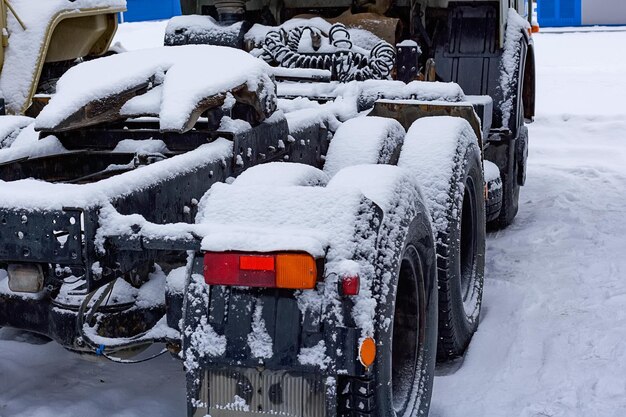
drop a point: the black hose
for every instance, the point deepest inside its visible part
(346, 64)
(100, 349)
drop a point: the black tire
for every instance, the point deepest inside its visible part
(407, 347)
(494, 199)
(461, 257)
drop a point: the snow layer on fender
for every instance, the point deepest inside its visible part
(282, 174)
(189, 74)
(22, 53)
(516, 27)
(269, 218)
(364, 140)
(397, 193)
(492, 172)
(432, 148)
(34, 194)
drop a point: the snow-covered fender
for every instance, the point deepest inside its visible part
(396, 192)
(405, 233)
(517, 75)
(364, 140)
(407, 112)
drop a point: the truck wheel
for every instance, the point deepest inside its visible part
(512, 162)
(461, 256)
(404, 368)
(494, 190)
(444, 156)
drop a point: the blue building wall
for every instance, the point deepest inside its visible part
(139, 10)
(559, 12)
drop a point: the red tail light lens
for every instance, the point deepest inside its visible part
(350, 285)
(256, 263)
(285, 270)
(223, 267)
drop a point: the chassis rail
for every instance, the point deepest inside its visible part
(67, 238)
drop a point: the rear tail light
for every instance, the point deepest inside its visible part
(350, 285)
(282, 270)
(296, 270)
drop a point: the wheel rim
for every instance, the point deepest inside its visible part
(469, 248)
(408, 334)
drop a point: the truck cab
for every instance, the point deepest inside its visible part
(36, 51)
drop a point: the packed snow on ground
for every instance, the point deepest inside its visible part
(552, 338)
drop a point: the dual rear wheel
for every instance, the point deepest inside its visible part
(434, 321)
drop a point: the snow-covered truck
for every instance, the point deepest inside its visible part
(304, 231)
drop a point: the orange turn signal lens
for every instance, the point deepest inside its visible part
(296, 271)
(367, 352)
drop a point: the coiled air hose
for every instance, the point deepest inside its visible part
(345, 63)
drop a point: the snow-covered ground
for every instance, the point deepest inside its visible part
(553, 336)
(552, 341)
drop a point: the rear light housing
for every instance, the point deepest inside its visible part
(349, 285)
(290, 270)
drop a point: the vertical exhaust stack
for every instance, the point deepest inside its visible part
(230, 11)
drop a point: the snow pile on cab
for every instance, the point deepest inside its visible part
(188, 75)
(25, 45)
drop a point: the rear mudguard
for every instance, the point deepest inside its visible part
(263, 339)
